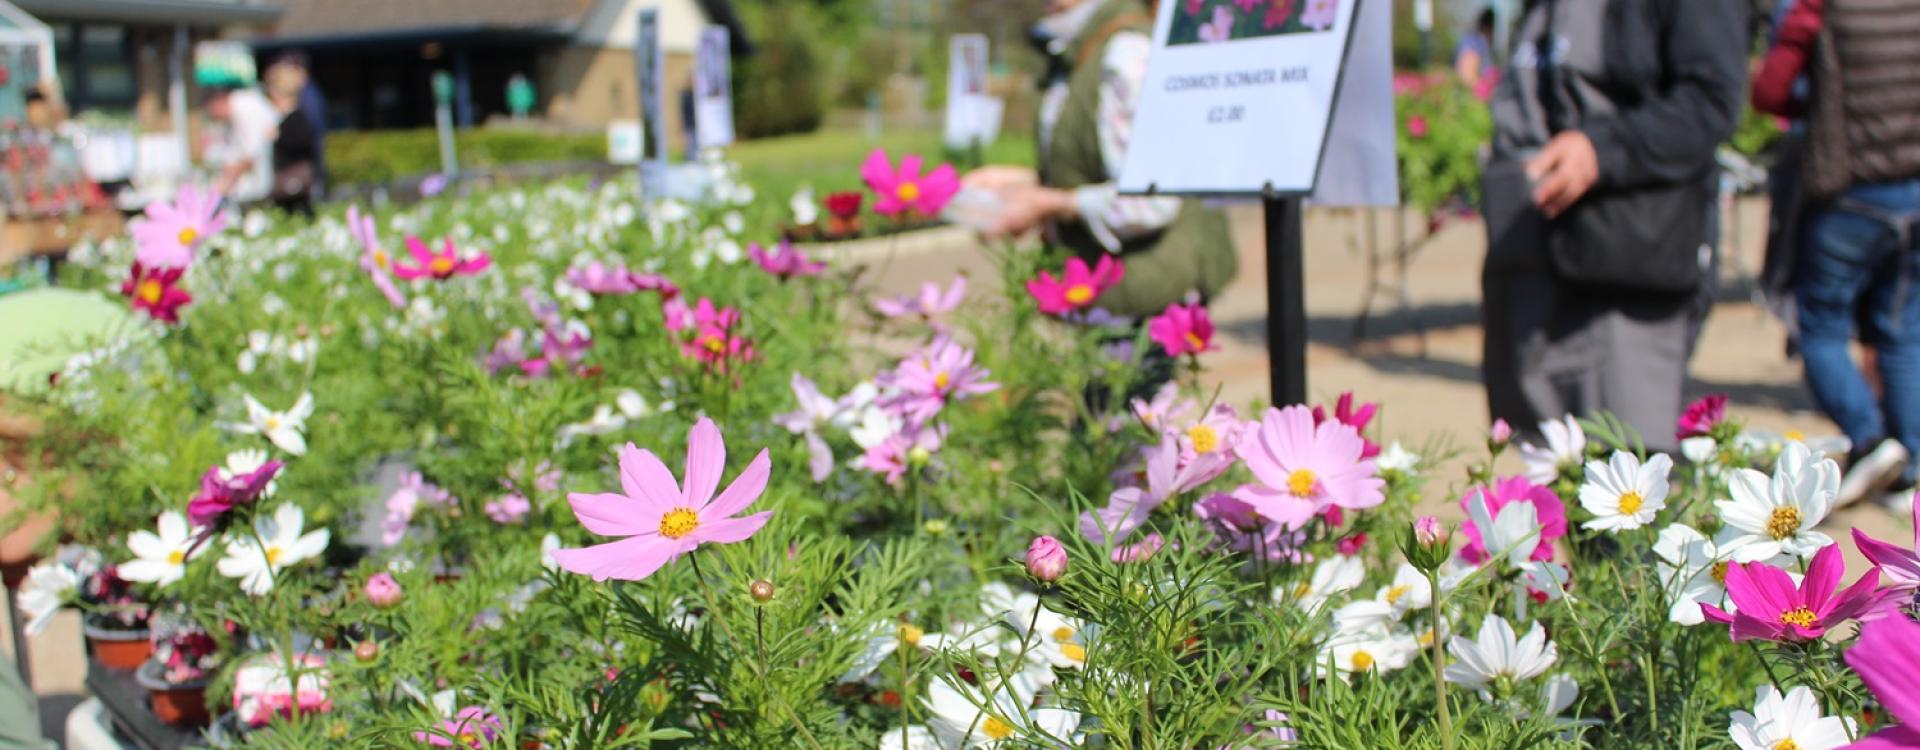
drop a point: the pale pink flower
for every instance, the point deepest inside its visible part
(373, 257)
(931, 303)
(171, 232)
(1302, 469)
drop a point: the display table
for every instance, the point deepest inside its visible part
(123, 707)
(26, 237)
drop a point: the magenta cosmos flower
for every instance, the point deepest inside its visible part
(1302, 469)
(172, 232)
(660, 519)
(441, 265)
(219, 495)
(1701, 417)
(1548, 510)
(472, 726)
(930, 304)
(1902, 566)
(897, 190)
(713, 341)
(156, 292)
(927, 380)
(1183, 329)
(374, 258)
(1888, 660)
(786, 261)
(1768, 606)
(1358, 418)
(1077, 287)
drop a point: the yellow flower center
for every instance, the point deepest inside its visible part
(1361, 661)
(1795, 436)
(1800, 616)
(1204, 438)
(1063, 634)
(679, 522)
(150, 291)
(911, 634)
(441, 266)
(1426, 639)
(176, 557)
(1301, 591)
(1630, 502)
(940, 381)
(1074, 651)
(715, 344)
(273, 554)
(188, 235)
(380, 258)
(1786, 744)
(1394, 594)
(1079, 294)
(1301, 483)
(1784, 523)
(907, 191)
(1720, 573)
(469, 739)
(1194, 340)
(995, 728)
(272, 423)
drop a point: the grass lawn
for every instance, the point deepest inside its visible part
(829, 160)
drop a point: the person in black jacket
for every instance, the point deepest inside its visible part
(1599, 199)
(296, 148)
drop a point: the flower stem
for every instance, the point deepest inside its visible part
(1439, 672)
(713, 610)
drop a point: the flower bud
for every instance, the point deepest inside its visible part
(1046, 559)
(1501, 434)
(761, 590)
(919, 456)
(1425, 544)
(1429, 531)
(366, 651)
(382, 591)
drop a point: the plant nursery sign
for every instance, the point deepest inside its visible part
(1240, 101)
(973, 115)
(713, 89)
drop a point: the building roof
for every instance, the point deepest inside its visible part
(203, 12)
(337, 21)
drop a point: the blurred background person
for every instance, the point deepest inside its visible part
(1856, 269)
(296, 144)
(1473, 60)
(242, 147)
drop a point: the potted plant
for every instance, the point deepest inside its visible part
(116, 620)
(176, 677)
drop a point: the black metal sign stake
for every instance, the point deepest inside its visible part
(1286, 301)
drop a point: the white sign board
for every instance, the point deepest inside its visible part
(973, 116)
(1238, 101)
(1360, 165)
(626, 142)
(713, 89)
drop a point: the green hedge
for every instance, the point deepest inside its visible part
(776, 90)
(358, 158)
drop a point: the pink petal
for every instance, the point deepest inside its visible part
(746, 488)
(819, 458)
(1859, 600)
(1888, 660)
(1279, 507)
(1763, 590)
(627, 560)
(1823, 575)
(706, 459)
(644, 478)
(1902, 565)
(611, 514)
(1748, 628)
(1903, 737)
(421, 255)
(474, 265)
(877, 171)
(728, 531)
(1715, 614)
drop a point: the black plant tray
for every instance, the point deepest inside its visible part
(126, 702)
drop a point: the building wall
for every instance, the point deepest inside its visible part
(590, 86)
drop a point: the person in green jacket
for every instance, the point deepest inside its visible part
(1173, 249)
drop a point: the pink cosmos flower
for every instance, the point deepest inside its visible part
(1769, 606)
(1206, 446)
(1548, 511)
(508, 353)
(927, 380)
(1417, 126)
(1046, 559)
(1302, 469)
(786, 261)
(1237, 526)
(561, 348)
(1183, 329)
(713, 341)
(1128, 507)
(1501, 433)
(897, 190)
(903, 450)
(1220, 29)
(931, 303)
(1139, 551)
(219, 494)
(508, 508)
(653, 282)
(1888, 661)
(660, 519)
(1167, 407)
(1701, 417)
(816, 409)
(1077, 287)
(405, 500)
(1357, 418)
(156, 292)
(1901, 566)
(678, 316)
(1320, 14)
(374, 258)
(442, 265)
(601, 279)
(171, 232)
(472, 726)
(1428, 530)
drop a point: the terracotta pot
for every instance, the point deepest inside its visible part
(180, 705)
(119, 649)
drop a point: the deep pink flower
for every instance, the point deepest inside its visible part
(930, 304)
(1357, 418)
(1548, 510)
(1277, 14)
(1350, 545)
(172, 232)
(374, 258)
(219, 493)
(1046, 559)
(382, 590)
(713, 341)
(1770, 607)
(660, 520)
(156, 292)
(1301, 470)
(1701, 417)
(1888, 661)
(601, 279)
(653, 282)
(930, 378)
(442, 265)
(786, 261)
(678, 316)
(1183, 329)
(1417, 126)
(1077, 287)
(1901, 566)
(897, 190)
(472, 726)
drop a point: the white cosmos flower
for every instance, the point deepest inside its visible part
(282, 428)
(1566, 447)
(1397, 458)
(1366, 650)
(1693, 571)
(957, 721)
(1787, 721)
(47, 587)
(1497, 656)
(805, 211)
(1331, 577)
(1768, 517)
(285, 546)
(1623, 494)
(916, 737)
(1515, 534)
(162, 557)
(1409, 591)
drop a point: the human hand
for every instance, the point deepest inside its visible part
(1000, 177)
(1024, 208)
(1563, 172)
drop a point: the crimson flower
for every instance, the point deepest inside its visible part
(156, 292)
